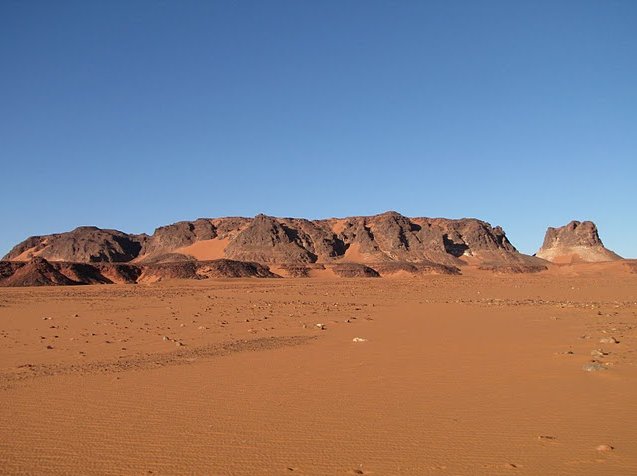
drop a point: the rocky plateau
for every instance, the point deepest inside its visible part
(388, 244)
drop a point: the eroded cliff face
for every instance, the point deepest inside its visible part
(575, 242)
(389, 241)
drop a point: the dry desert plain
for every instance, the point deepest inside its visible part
(457, 375)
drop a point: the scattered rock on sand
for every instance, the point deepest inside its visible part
(608, 340)
(359, 339)
(599, 353)
(594, 367)
(604, 448)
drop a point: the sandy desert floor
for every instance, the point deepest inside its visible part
(458, 375)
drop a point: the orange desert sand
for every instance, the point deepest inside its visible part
(453, 375)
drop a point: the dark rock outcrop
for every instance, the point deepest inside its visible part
(296, 270)
(179, 234)
(119, 273)
(227, 268)
(390, 268)
(165, 258)
(37, 272)
(223, 268)
(86, 244)
(267, 240)
(514, 268)
(162, 271)
(40, 272)
(354, 270)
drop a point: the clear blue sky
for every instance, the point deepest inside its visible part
(132, 115)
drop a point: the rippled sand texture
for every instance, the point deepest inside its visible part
(457, 375)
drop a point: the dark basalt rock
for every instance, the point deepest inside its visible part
(227, 268)
(393, 267)
(354, 270)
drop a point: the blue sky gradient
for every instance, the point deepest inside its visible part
(132, 115)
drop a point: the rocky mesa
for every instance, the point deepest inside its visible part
(367, 246)
(375, 239)
(576, 242)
